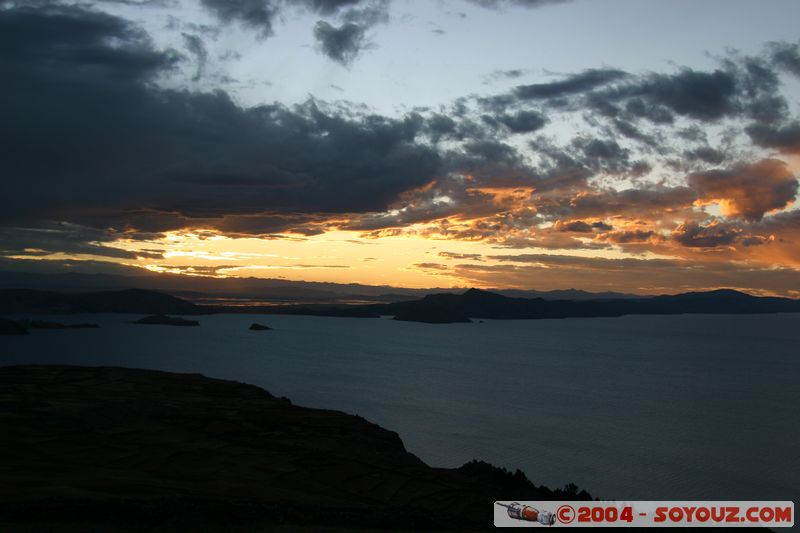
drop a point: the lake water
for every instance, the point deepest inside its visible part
(640, 407)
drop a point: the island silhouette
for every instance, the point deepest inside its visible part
(432, 308)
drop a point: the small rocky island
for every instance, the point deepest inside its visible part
(120, 449)
(164, 320)
(259, 327)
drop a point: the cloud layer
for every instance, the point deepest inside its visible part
(688, 165)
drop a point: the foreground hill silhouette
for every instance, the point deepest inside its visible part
(96, 447)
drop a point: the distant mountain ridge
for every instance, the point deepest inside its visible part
(433, 308)
(565, 294)
(200, 289)
(29, 301)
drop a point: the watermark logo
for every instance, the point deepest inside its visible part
(527, 513)
(644, 514)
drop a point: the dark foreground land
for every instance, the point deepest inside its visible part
(113, 449)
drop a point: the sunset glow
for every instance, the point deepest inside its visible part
(679, 176)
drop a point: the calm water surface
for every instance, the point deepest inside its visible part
(642, 407)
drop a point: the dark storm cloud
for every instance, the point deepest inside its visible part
(766, 109)
(261, 14)
(578, 83)
(628, 130)
(479, 154)
(345, 42)
(74, 44)
(587, 156)
(581, 226)
(629, 236)
(497, 103)
(694, 235)
(523, 121)
(743, 87)
(66, 239)
(82, 125)
(258, 14)
(340, 44)
(758, 88)
(441, 126)
(636, 107)
(706, 154)
(700, 95)
(603, 154)
(784, 138)
(786, 56)
(575, 226)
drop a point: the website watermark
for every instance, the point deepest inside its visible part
(644, 514)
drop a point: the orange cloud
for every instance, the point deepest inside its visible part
(747, 191)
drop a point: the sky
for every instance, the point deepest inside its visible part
(631, 145)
